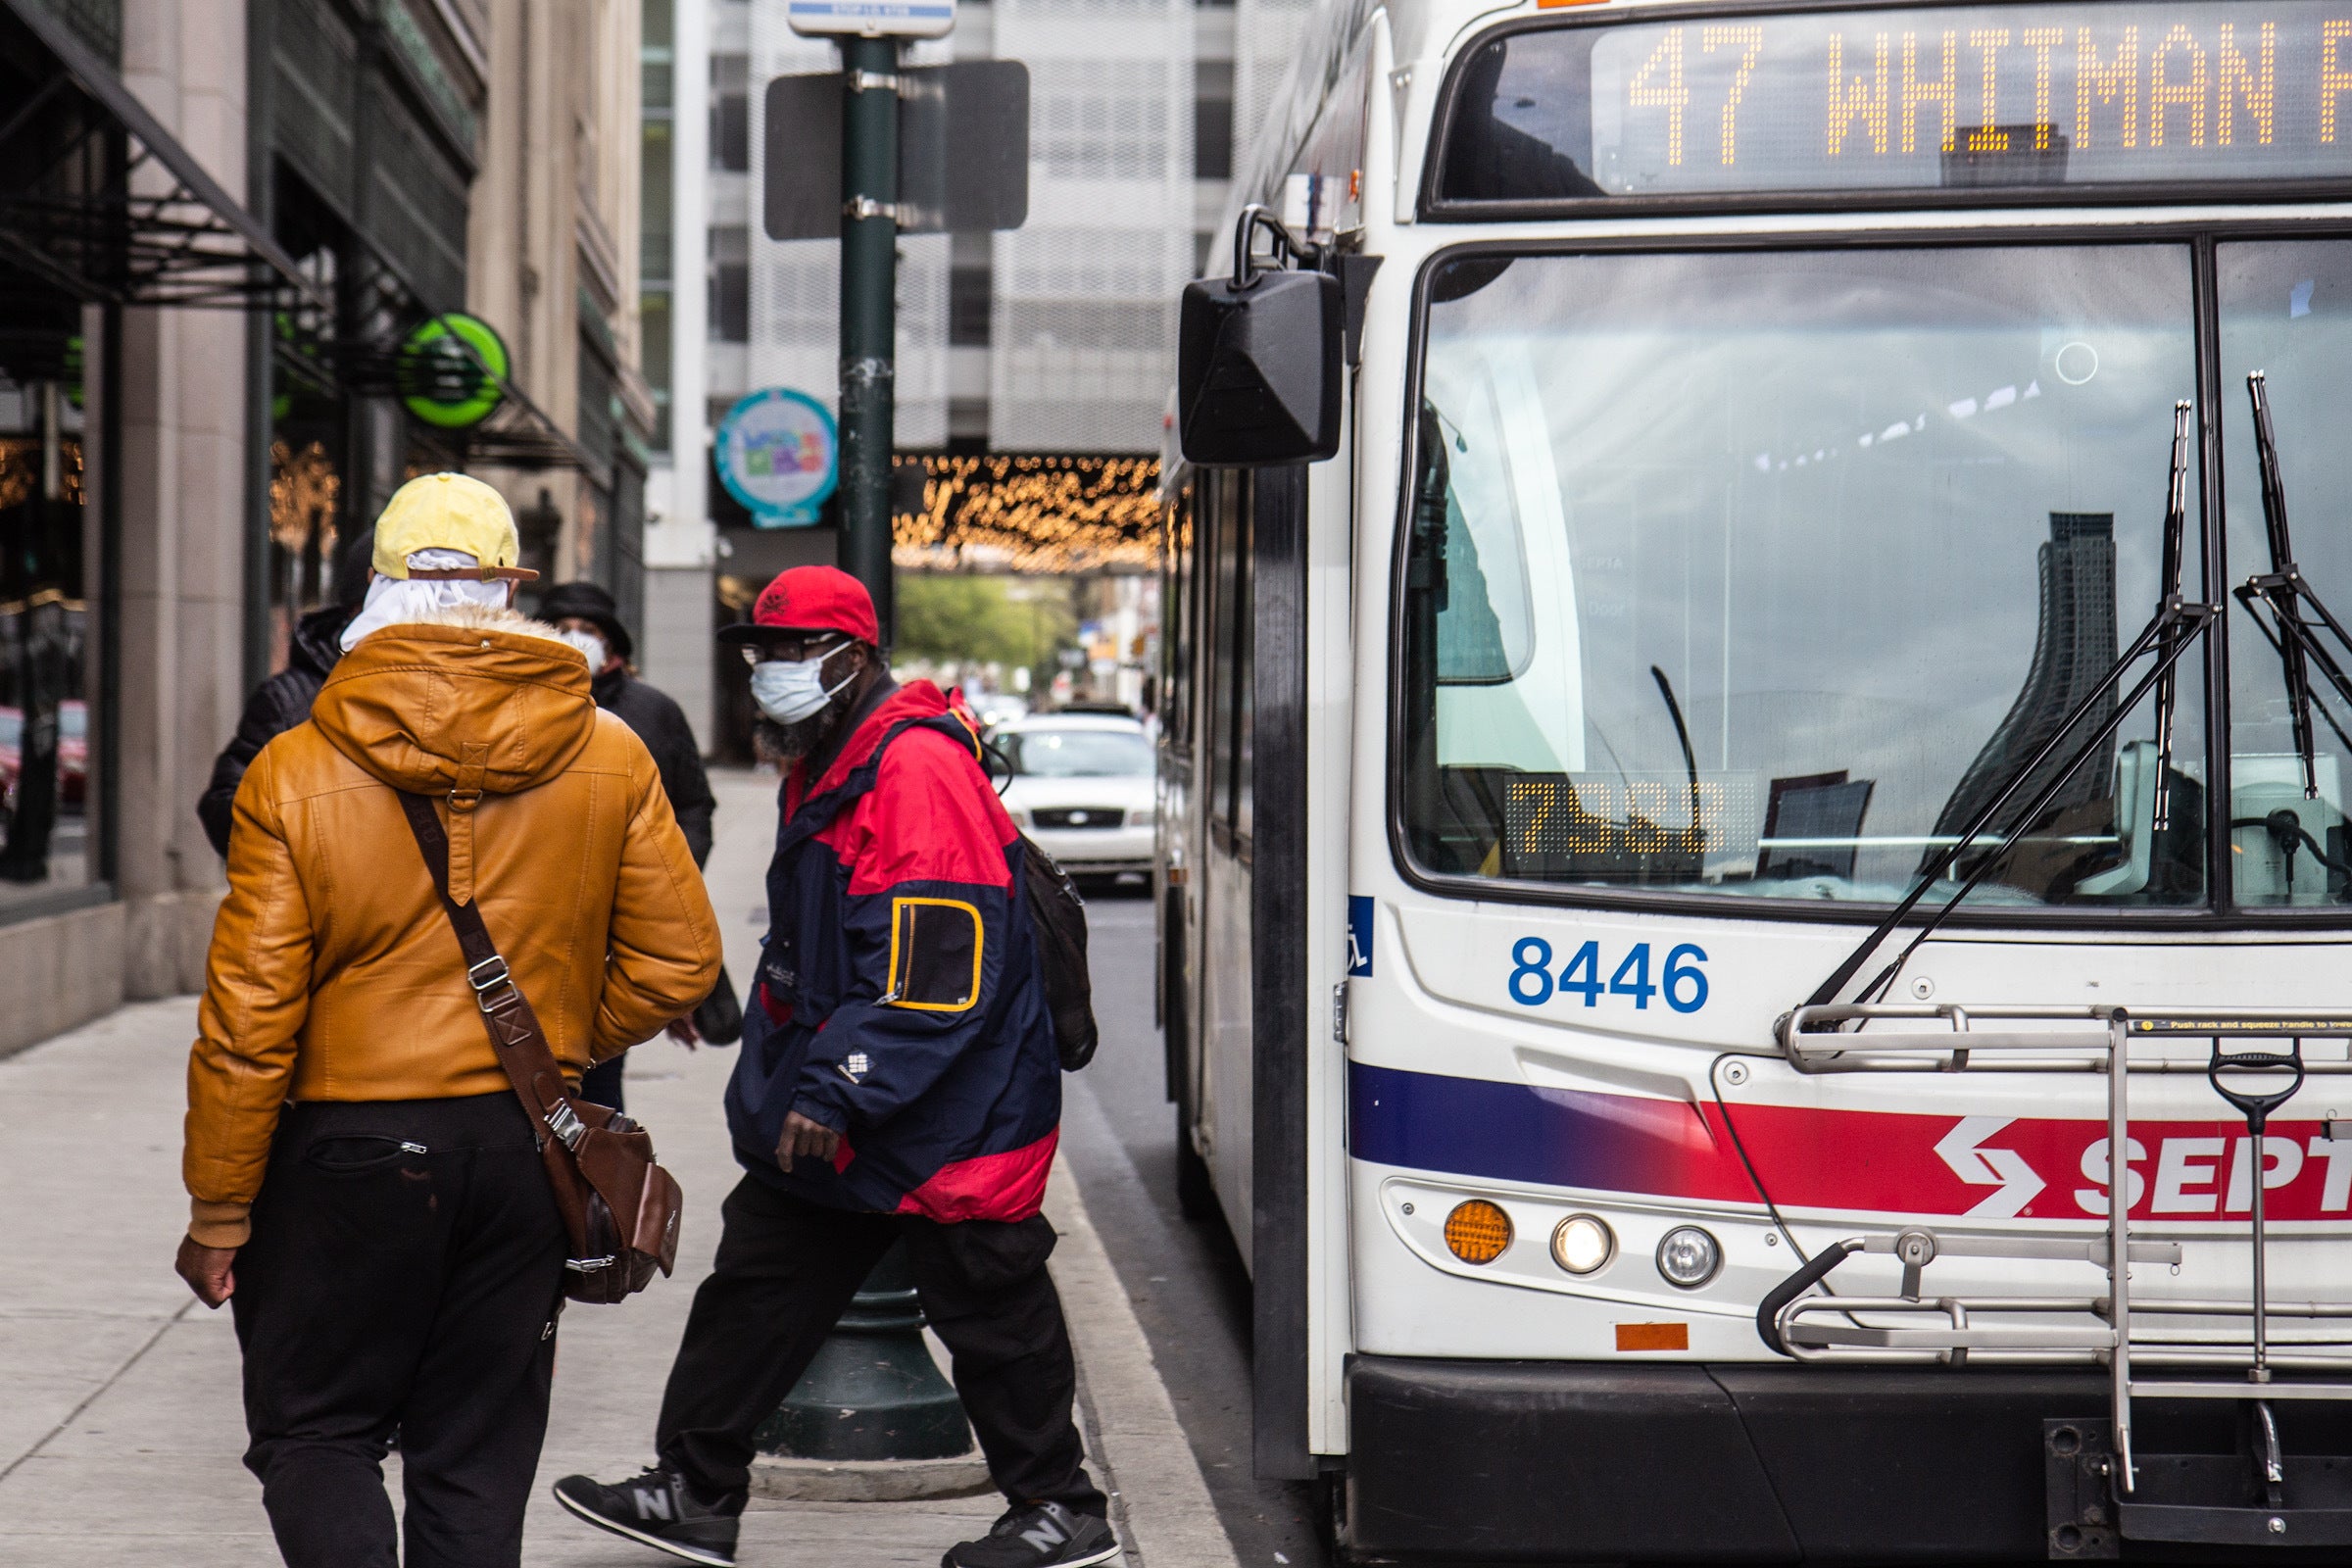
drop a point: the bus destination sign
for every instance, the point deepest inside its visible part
(1980, 96)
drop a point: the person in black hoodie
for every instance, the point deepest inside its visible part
(283, 700)
(588, 618)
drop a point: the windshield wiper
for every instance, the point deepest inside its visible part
(2283, 592)
(2170, 634)
(1682, 734)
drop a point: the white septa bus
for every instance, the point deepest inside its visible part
(1784, 659)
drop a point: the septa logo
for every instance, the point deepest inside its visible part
(2004, 1169)
(2032, 1167)
(2214, 1174)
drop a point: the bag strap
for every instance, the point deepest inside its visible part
(817, 812)
(513, 1028)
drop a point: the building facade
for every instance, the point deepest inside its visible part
(1051, 344)
(231, 230)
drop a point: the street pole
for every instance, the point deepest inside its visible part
(869, 270)
(872, 1393)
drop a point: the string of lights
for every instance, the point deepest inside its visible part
(304, 489)
(21, 469)
(1029, 513)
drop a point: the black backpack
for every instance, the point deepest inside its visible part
(1057, 913)
(1057, 916)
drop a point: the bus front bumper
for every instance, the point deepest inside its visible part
(1565, 1462)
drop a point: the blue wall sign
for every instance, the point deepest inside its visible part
(778, 454)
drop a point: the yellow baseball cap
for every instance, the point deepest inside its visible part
(449, 512)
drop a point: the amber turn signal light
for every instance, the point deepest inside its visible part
(1477, 1232)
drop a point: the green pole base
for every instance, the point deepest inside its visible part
(873, 1391)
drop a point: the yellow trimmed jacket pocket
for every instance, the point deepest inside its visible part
(934, 954)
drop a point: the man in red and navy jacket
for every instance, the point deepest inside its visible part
(898, 1081)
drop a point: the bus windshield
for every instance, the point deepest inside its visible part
(1761, 574)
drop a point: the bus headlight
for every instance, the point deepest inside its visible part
(1689, 1256)
(1580, 1243)
(1477, 1230)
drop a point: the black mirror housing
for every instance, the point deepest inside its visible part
(1258, 369)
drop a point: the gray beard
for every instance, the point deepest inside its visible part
(787, 744)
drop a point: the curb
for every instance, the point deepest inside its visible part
(1158, 1500)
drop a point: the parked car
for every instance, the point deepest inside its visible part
(997, 707)
(73, 753)
(1082, 787)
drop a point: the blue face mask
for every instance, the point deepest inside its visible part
(788, 692)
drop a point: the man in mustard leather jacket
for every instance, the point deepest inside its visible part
(365, 1185)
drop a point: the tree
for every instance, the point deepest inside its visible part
(951, 617)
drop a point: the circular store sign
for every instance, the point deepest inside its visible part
(778, 455)
(449, 369)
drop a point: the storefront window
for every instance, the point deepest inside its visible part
(304, 491)
(45, 737)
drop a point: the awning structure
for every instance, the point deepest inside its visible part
(358, 351)
(99, 203)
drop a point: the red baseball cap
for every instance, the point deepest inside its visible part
(807, 599)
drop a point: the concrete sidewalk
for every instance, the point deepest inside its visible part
(120, 1424)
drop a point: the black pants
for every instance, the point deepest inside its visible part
(787, 1268)
(405, 1273)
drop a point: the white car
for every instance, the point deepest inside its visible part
(1082, 787)
(997, 707)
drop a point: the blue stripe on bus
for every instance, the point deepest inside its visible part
(1551, 1136)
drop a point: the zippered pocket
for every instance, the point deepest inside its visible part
(358, 1153)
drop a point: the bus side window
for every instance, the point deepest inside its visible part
(1245, 653)
(1180, 601)
(1224, 541)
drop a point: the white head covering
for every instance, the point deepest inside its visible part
(393, 600)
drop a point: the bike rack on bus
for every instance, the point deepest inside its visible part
(2098, 1489)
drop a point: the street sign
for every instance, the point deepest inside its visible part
(963, 148)
(964, 151)
(447, 370)
(871, 19)
(780, 455)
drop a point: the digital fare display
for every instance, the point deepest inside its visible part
(2082, 94)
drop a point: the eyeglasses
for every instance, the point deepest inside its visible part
(790, 649)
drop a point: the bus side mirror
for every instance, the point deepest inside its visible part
(1259, 362)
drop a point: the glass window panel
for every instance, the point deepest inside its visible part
(46, 777)
(1758, 574)
(2286, 311)
(1077, 753)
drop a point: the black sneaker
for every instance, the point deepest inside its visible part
(1042, 1534)
(655, 1509)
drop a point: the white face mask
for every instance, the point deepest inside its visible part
(591, 646)
(791, 691)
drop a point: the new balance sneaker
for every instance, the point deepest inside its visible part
(1044, 1534)
(655, 1509)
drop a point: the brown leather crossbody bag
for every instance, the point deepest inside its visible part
(621, 1209)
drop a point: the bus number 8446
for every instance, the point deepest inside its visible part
(1682, 982)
